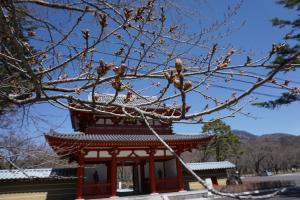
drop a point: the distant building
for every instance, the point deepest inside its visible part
(208, 170)
(38, 184)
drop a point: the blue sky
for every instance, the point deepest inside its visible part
(255, 37)
(252, 32)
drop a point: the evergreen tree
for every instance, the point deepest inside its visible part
(11, 80)
(285, 99)
(226, 145)
(292, 38)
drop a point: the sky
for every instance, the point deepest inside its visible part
(254, 34)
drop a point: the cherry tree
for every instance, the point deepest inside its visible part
(134, 48)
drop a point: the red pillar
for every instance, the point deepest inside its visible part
(80, 176)
(179, 173)
(135, 173)
(152, 172)
(113, 175)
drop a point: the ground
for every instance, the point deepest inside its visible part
(289, 194)
(287, 177)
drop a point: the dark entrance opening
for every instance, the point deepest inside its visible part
(129, 180)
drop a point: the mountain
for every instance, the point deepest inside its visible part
(244, 135)
(274, 151)
(281, 139)
(278, 140)
(279, 152)
(275, 137)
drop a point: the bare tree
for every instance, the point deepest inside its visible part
(275, 152)
(134, 48)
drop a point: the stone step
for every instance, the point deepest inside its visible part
(186, 195)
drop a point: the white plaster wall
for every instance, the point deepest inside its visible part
(159, 153)
(89, 171)
(108, 121)
(124, 153)
(168, 153)
(104, 154)
(76, 122)
(91, 154)
(100, 121)
(141, 153)
(156, 122)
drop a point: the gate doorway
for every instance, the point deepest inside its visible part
(128, 178)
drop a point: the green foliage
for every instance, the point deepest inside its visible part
(226, 145)
(285, 99)
(292, 37)
(12, 80)
(290, 4)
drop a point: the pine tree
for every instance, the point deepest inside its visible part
(293, 36)
(10, 79)
(292, 46)
(226, 145)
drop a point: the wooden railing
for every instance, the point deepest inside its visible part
(97, 189)
(167, 184)
(126, 129)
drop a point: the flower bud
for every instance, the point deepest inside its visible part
(101, 69)
(187, 85)
(128, 97)
(286, 82)
(119, 71)
(177, 83)
(117, 84)
(85, 34)
(178, 65)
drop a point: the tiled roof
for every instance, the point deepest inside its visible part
(44, 173)
(211, 165)
(122, 137)
(120, 100)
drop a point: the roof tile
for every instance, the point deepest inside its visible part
(123, 137)
(211, 165)
(144, 101)
(43, 173)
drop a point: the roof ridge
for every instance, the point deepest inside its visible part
(211, 165)
(210, 162)
(123, 95)
(31, 169)
(79, 132)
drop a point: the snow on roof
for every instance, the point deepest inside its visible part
(42, 173)
(211, 165)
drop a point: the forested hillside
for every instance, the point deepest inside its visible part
(278, 152)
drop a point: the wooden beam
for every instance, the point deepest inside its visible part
(114, 173)
(179, 171)
(152, 172)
